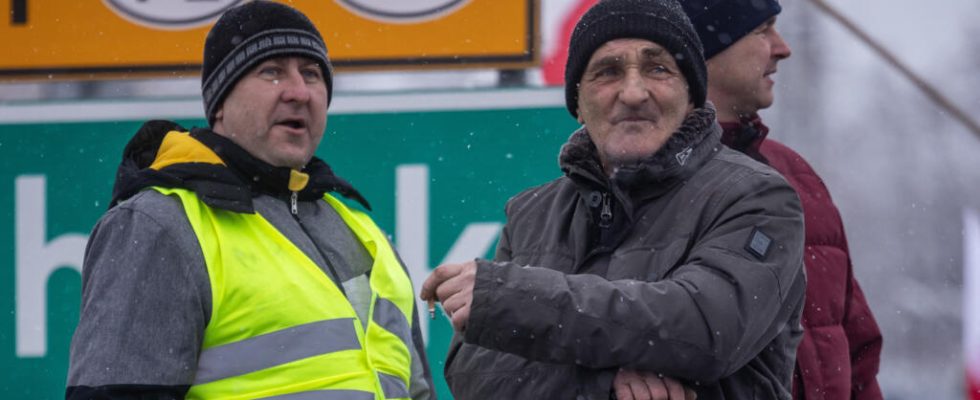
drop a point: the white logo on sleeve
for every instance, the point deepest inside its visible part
(402, 11)
(171, 14)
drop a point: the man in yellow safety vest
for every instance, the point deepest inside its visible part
(225, 268)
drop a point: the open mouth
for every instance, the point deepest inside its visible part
(293, 123)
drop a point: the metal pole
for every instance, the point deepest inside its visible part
(930, 91)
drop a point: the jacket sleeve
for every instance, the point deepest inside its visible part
(143, 311)
(703, 321)
(472, 372)
(864, 340)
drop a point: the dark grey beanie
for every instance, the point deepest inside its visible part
(660, 21)
(720, 23)
(251, 33)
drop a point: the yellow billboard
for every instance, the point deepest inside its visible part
(130, 38)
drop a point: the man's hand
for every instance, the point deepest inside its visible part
(641, 385)
(452, 285)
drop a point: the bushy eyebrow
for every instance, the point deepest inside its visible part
(606, 61)
(648, 54)
(654, 53)
(305, 62)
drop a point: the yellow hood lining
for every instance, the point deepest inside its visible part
(179, 148)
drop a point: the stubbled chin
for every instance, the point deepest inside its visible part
(292, 159)
(631, 151)
(621, 159)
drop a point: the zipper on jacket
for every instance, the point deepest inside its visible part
(606, 216)
(332, 274)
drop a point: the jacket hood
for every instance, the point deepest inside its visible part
(683, 153)
(223, 174)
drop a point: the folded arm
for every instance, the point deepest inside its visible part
(708, 317)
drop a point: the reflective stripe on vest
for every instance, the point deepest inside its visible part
(325, 395)
(281, 328)
(388, 333)
(279, 347)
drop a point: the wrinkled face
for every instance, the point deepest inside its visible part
(277, 111)
(740, 77)
(632, 97)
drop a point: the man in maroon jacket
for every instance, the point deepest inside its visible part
(839, 355)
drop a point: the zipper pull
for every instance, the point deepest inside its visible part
(605, 217)
(292, 203)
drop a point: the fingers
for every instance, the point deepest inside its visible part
(654, 386)
(452, 284)
(674, 389)
(460, 317)
(624, 393)
(455, 302)
(642, 385)
(630, 385)
(621, 385)
(458, 309)
(439, 275)
(459, 284)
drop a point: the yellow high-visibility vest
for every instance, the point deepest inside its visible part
(280, 326)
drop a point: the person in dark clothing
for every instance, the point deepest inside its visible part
(662, 264)
(225, 268)
(839, 355)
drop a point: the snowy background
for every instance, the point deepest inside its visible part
(901, 170)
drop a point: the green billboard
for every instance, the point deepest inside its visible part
(437, 169)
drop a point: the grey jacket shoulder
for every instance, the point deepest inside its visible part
(142, 263)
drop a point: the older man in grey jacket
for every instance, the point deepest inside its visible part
(661, 262)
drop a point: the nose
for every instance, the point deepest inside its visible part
(780, 49)
(634, 90)
(294, 87)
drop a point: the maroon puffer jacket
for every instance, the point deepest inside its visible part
(840, 352)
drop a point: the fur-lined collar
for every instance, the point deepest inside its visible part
(682, 154)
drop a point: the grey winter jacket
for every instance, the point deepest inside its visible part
(689, 265)
(146, 296)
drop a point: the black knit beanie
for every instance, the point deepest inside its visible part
(720, 23)
(660, 21)
(251, 33)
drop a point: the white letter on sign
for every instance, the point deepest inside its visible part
(412, 231)
(36, 261)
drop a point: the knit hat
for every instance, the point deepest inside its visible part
(720, 23)
(660, 21)
(249, 34)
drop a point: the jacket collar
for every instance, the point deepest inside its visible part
(222, 173)
(683, 154)
(263, 178)
(746, 135)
